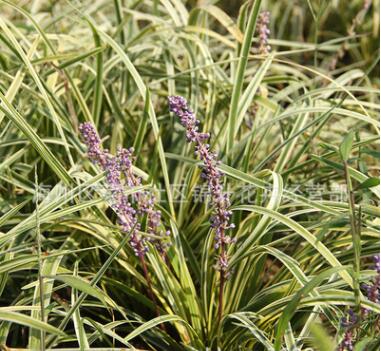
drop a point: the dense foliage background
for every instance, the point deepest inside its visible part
(296, 129)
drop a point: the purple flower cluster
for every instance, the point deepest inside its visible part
(348, 322)
(119, 175)
(221, 217)
(372, 290)
(347, 342)
(263, 32)
(145, 200)
(93, 143)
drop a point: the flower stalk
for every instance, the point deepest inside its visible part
(119, 175)
(356, 237)
(220, 220)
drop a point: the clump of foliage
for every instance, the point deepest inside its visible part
(189, 176)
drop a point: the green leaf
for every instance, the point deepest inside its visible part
(346, 146)
(369, 183)
(49, 267)
(320, 338)
(34, 139)
(143, 92)
(239, 77)
(97, 99)
(248, 95)
(39, 84)
(13, 211)
(19, 318)
(303, 232)
(142, 125)
(78, 321)
(249, 324)
(293, 305)
(92, 284)
(152, 323)
(81, 285)
(362, 345)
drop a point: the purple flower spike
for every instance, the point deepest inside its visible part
(263, 32)
(372, 290)
(112, 168)
(221, 217)
(348, 322)
(119, 173)
(93, 143)
(145, 200)
(126, 158)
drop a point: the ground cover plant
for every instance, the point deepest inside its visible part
(189, 175)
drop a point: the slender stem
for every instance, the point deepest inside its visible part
(316, 39)
(222, 283)
(149, 283)
(221, 296)
(356, 238)
(150, 289)
(39, 255)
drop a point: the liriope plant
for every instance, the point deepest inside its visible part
(115, 234)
